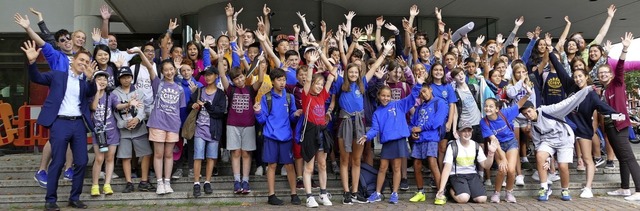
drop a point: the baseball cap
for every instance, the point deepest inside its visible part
(311, 48)
(464, 125)
(210, 70)
(124, 71)
(99, 73)
(526, 105)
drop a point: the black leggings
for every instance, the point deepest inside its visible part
(619, 141)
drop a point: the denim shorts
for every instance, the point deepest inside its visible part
(422, 150)
(199, 147)
(509, 145)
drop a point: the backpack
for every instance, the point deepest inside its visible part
(270, 101)
(368, 180)
(454, 150)
(486, 120)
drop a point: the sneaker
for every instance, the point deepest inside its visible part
(68, 174)
(325, 199)
(196, 190)
(598, 161)
(495, 198)
(404, 185)
(356, 197)
(167, 187)
(335, 168)
(620, 192)
(245, 187)
(553, 177)
(129, 188)
(160, 190)
(273, 200)
(509, 197)
(237, 187)
(207, 188)
(259, 171)
(586, 193)
(311, 202)
(432, 183)
(177, 174)
(215, 171)
(299, 184)
(580, 166)
(410, 169)
(145, 186)
(418, 197)
(634, 197)
(191, 175)
(394, 198)
(535, 176)
(41, 178)
(113, 175)
(565, 195)
(504, 183)
(95, 190)
(374, 197)
(527, 166)
(520, 180)
(543, 195)
(347, 198)
(283, 172)
(440, 200)
(487, 182)
(609, 165)
(314, 184)
(107, 189)
(295, 200)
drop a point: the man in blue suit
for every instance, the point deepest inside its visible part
(66, 113)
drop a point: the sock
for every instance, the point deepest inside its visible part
(196, 183)
(206, 182)
(544, 185)
(524, 159)
(167, 181)
(245, 179)
(236, 177)
(421, 190)
(308, 195)
(299, 178)
(323, 191)
(159, 181)
(334, 163)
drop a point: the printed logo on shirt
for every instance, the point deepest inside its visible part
(444, 94)
(169, 96)
(465, 161)
(240, 102)
(423, 115)
(203, 118)
(396, 93)
(318, 110)
(98, 115)
(554, 83)
(611, 96)
(143, 84)
(392, 110)
(357, 92)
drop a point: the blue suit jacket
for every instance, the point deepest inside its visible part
(57, 83)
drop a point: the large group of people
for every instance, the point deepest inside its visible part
(307, 104)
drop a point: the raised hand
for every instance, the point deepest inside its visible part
(465, 40)
(547, 38)
(120, 61)
(30, 51)
(209, 41)
(23, 22)
(516, 40)
(438, 13)
(519, 21)
(304, 37)
(349, 16)
(387, 46)
(301, 16)
(266, 10)
(177, 62)
(537, 32)
(414, 11)
(173, 24)
(391, 27)
(530, 35)
(380, 72)
(479, 40)
(421, 78)
(323, 26)
(380, 21)
(105, 12)
(228, 10)
(611, 10)
(626, 40)
(95, 35)
(401, 61)
(239, 51)
(566, 19)
(240, 30)
(37, 13)
(357, 33)
(296, 29)
(93, 65)
(607, 46)
(235, 14)
(499, 39)
(369, 29)
(313, 57)
(197, 37)
(261, 37)
(441, 26)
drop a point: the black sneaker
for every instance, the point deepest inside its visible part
(207, 188)
(432, 183)
(356, 197)
(404, 185)
(215, 171)
(295, 200)
(196, 190)
(299, 184)
(598, 161)
(346, 198)
(273, 200)
(609, 165)
(146, 186)
(128, 188)
(314, 184)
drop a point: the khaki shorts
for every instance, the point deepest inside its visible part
(161, 136)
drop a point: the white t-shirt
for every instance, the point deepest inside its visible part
(144, 84)
(465, 160)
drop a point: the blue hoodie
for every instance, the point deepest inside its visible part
(390, 120)
(430, 117)
(184, 111)
(276, 126)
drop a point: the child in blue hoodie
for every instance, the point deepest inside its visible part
(389, 120)
(426, 124)
(279, 110)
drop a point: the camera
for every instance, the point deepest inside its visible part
(101, 138)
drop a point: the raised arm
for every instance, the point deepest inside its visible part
(24, 23)
(256, 85)
(267, 48)
(386, 51)
(379, 22)
(564, 107)
(145, 62)
(611, 11)
(32, 54)
(223, 71)
(229, 10)
(306, 27)
(564, 34)
(512, 36)
(44, 30)
(266, 12)
(106, 15)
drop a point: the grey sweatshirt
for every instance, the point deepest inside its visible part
(552, 131)
(141, 128)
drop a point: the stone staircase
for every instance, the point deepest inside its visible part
(18, 188)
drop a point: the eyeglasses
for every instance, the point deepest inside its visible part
(64, 38)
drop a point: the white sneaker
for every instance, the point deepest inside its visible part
(113, 175)
(160, 189)
(167, 187)
(634, 197)
(586, 193)
(520, 180)
(553, 177)
(487, 182)
(311, 202)
(620, 192)
(283, 171)
(504, 183)
(535, 176)
(410, 169)
(325, 199)
(259, 171)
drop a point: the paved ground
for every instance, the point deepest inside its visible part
(598, 203)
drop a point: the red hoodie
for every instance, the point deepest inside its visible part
(616, 96)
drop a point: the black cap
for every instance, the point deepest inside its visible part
(124, 71)
(210, 70)
(526, 105)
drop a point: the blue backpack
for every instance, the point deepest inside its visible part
(368, 180)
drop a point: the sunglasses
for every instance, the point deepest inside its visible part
(64, 38)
